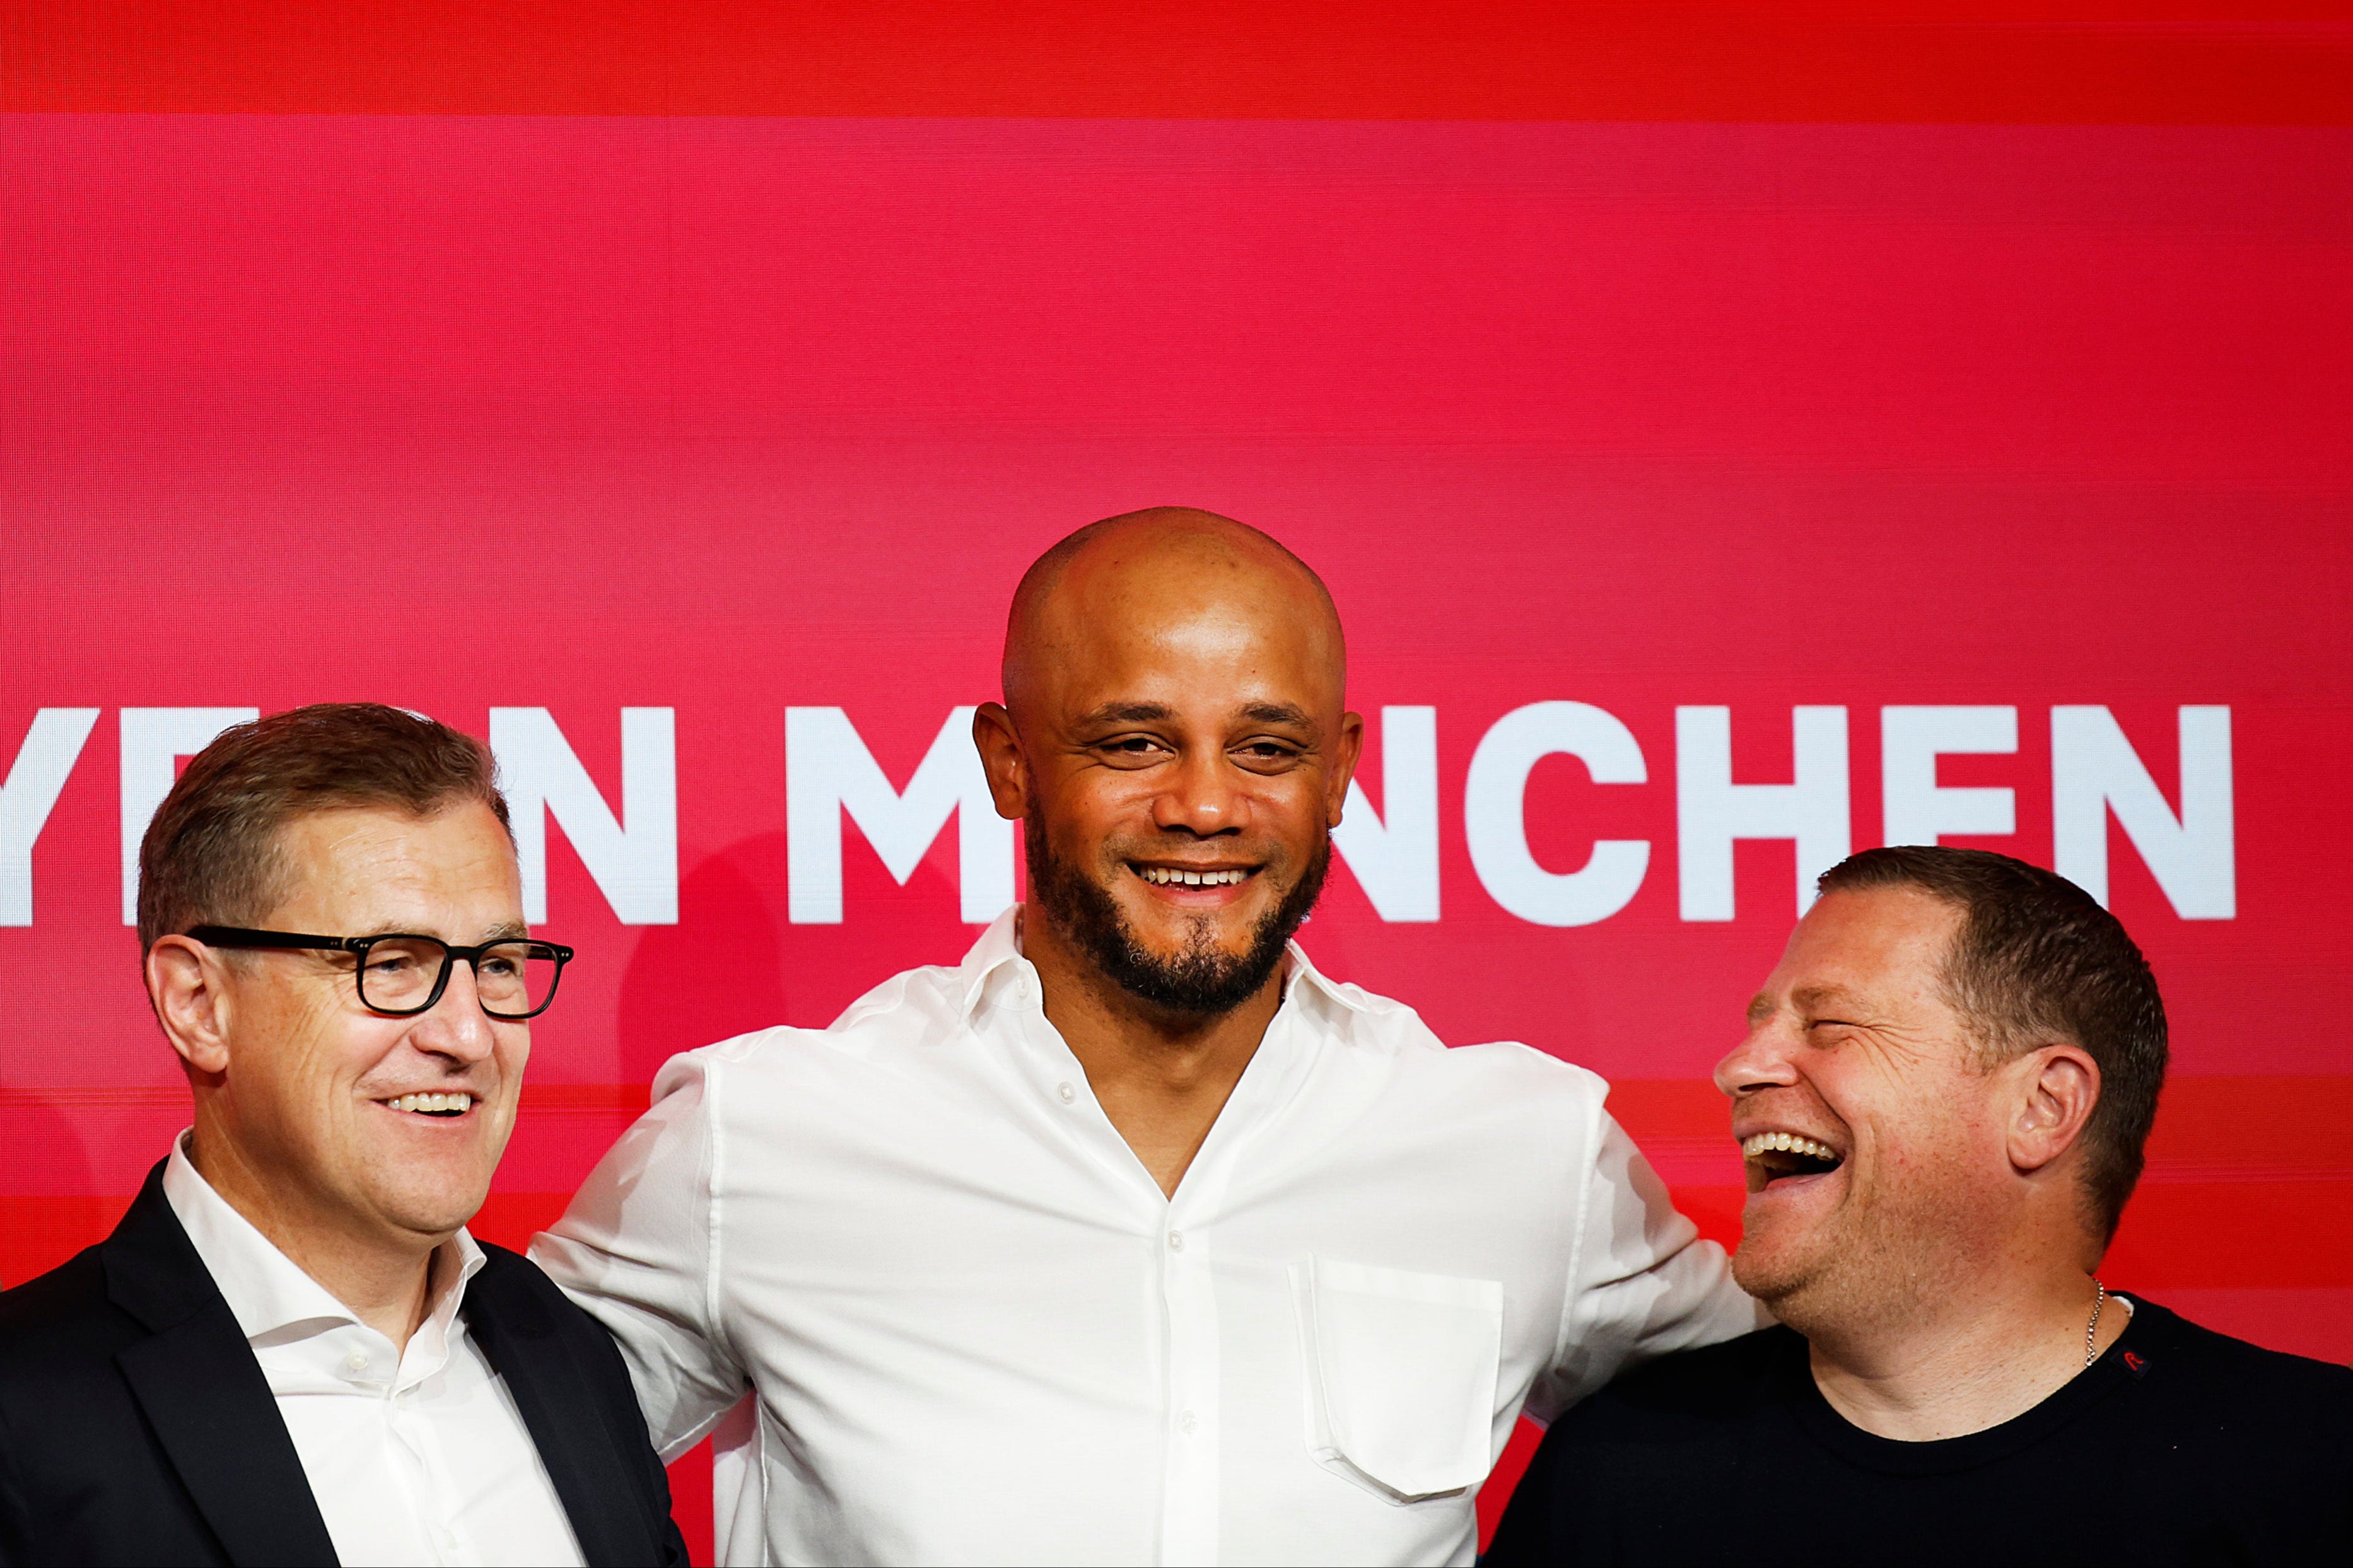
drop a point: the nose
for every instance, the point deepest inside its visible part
(456, 1027)
(1198, 796)
(1759, 1062)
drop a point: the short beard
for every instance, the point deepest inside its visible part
(1771, 1285)
(1869, 1269)
(1202, 982)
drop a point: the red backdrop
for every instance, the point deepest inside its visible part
(664, 371)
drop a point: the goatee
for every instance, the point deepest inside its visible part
(1202, 980)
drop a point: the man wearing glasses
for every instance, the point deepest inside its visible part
(290, 1350)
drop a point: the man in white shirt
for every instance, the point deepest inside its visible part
(1133, 1238)
(290, 1350)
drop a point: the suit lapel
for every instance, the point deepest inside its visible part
(205, 1394)
(564, 1422)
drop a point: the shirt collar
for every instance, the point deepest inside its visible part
(995, 962)
(995, 959)
(267, 1291)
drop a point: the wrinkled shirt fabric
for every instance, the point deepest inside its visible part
(936, 1311)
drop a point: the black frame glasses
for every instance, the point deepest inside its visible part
(357, 946)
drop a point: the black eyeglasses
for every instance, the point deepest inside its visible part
(402, 975)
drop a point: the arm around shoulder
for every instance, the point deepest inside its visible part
(638, 1251)
(1643, 1282)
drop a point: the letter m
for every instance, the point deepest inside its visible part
(829, 771)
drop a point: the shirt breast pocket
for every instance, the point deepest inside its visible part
(1401, 1375)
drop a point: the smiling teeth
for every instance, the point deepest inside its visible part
(432, 1102)
(1163, 876)
(1785, 1143)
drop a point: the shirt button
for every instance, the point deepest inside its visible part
(1175, 1241)
(1186, 1421)
(1068, 1092)
(356, 1361)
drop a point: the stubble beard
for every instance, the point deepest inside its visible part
(1870, 1267)
(1800, 1276)
(1201, 979)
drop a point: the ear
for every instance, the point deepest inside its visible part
(1345, 754)
(2057, 1088)
(187, 983)
(1000, 758)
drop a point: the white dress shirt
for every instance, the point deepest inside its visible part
(974, 1331)
(415, 1456)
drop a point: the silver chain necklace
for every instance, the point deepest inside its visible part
(2091, 1328)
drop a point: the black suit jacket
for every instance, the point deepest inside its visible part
(136, 1427)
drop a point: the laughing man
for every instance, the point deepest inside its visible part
(1941, 1102)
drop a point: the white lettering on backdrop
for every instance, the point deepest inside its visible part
(153, 742)
(1711, 811)
(2096, 773)
(1394, 853)
(828, 773)
(1914, 807)
(636, 867)
(35, 781)
(1495, 813)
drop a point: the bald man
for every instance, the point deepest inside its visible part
(1133, 1238)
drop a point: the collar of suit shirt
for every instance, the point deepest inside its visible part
(274, 1301)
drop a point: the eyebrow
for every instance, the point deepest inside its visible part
(504, 931)
(1129, 713)
(1277, 713)
(1806, 999)
(1812, 998)
(1159, 712)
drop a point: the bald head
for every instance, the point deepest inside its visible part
(1164, 570)
(1173, 734)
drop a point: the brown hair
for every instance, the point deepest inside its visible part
(211, 856)
(2038, 958)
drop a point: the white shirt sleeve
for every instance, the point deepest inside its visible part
(1641, 1282)
(639, 1249)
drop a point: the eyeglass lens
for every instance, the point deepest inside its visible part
(399, 974)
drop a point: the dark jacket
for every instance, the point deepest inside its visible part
(136, 1427)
